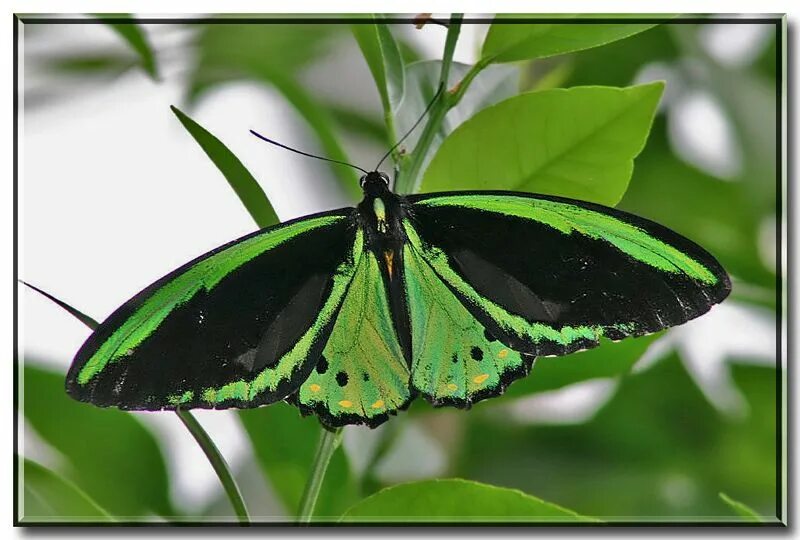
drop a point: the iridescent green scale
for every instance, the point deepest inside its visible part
(455, 359)
(350, 314)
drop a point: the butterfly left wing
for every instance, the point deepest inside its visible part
(241, 326)
(546, 276)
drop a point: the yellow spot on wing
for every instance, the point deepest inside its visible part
(314, 387)
(378, 404)
(345, 403)
(480, 378)
(503, 353)
(452, 387)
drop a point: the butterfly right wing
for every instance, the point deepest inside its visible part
(545, 275)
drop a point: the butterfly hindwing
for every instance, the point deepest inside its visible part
(551, 276)
(362, 375)
(456, 360)
(238, 327)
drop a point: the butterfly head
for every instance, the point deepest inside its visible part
(374, 183)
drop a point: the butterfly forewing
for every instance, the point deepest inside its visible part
(551, 276)
(240, 326)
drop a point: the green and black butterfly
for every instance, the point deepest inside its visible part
(352, 313)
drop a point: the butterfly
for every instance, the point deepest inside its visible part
(351, 314)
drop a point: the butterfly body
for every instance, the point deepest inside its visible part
(350, 314)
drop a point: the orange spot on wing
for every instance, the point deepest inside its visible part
(452, 387)
(480, 378)
(314, 387)
(345, 403)
(378, 404)
(503, 353)
(389, 256)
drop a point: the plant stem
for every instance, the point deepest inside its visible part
(409, 181)
(217, 462)
(328, 443)
(462, 86)
(453, 30)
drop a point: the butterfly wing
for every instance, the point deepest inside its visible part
(455, 359)
(238, 327)
(548, 276)
(362, 375)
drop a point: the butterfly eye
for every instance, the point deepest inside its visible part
(362, 180)
(385, 178)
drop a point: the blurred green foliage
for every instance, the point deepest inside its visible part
(108, 453)
(657, 450)
(284, 444)
(135, 36)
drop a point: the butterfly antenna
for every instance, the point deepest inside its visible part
(404, 137)
(276, 143)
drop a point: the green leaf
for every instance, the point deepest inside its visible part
(111, 455)
(742, 510)
(284, 445)
(512, 42)
(47, 497)
(610, 359)
(383, 57)
(133, 34)
(456, 500)
(577, 143)
(491, 85)
(246, 187)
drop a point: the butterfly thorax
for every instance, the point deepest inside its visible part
(380, 215)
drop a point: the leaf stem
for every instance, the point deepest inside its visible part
(461, 88)
(328, 443)
(217, 462)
